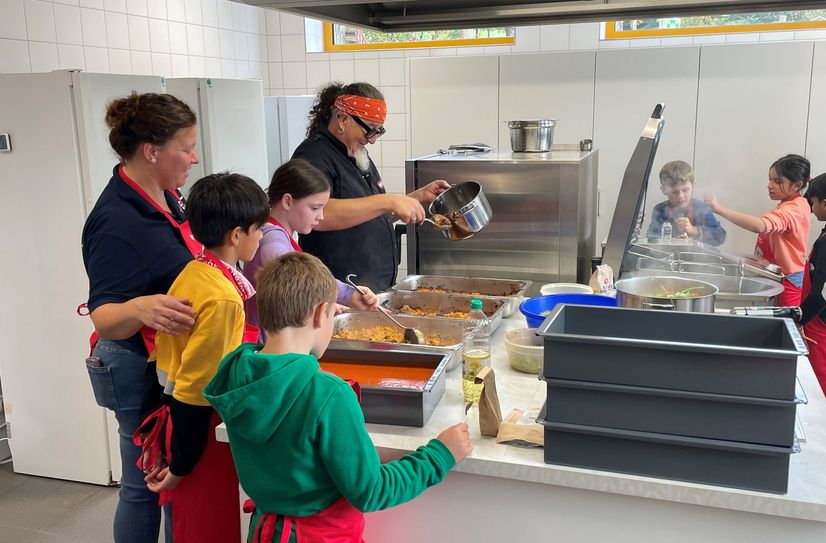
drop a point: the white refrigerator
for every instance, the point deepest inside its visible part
(58, 163)
(287, 118)
(231, 135)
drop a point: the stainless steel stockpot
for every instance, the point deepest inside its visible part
(467, 208)
(532, 136)
(657, 293)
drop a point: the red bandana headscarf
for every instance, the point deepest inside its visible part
(367, 109)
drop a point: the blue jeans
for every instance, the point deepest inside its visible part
(119, 385)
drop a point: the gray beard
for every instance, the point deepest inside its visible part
(362, 160)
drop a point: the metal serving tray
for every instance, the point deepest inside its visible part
(451, 330)
(444, 303)
(697, 352)
(692, 414)
(496, 288)
(399, 406)
(709, 461)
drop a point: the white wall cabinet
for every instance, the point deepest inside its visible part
(548, 86)
(752, 109)
(629, 84)
(816, 134)
(453, 100)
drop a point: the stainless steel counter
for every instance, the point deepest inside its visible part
(544, 216)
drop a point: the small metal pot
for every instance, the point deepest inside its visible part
(466, 207)
(652, 293)
(532, 136)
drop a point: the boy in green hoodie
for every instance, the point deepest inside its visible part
(297, 434)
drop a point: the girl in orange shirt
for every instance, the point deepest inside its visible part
(783, 232)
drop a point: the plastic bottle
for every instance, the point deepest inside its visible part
(666, 231)
(476, 351)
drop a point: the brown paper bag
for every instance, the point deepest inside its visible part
(521, 429)
(490, 414)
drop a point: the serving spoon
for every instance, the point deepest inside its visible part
(413, 336)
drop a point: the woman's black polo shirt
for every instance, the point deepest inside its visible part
(368, 249)
(130, 249)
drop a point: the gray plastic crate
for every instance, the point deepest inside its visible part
(699, 352)
(723, 463)
(692, 414)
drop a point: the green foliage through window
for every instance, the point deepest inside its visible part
(737, 19)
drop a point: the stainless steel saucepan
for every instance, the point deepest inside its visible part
(663, 292)
(465, 208)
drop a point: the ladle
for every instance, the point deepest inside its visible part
(411, 335)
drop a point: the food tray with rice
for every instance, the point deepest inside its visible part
(372, 330)
(479, 287)
(444, 306)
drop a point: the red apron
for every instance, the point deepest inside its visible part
(148, 334)
(815, 335)
(205, 502)
(296, 246)
(339, 523)
(791, 295)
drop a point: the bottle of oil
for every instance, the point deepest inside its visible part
(476, 351)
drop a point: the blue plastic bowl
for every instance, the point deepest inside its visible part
(534, 307)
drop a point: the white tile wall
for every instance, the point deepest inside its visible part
(554, 37)
(93, 22)
(295, 75)
(70, 29)
(120, 61)
(117, 30)
(97, 59)
(141, 63)
(43, 56)
(118, 6)
(40, 21)
(366, 70)
(175, 10)
(70, 57)
(159, 36)
(136, 7)
(138, 33)
(391, 71)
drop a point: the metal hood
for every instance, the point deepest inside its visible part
(413, 15)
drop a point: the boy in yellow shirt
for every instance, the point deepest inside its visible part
(188, 467)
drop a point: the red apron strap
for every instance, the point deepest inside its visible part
(154, 437)
(186, 232)
(295, 245)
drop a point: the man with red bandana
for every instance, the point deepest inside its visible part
(357, 233)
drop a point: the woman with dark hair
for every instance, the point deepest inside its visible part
(297, 195)
(783, 232)
(357, 234)
(135, 242)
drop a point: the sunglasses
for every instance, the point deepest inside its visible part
(369, 132)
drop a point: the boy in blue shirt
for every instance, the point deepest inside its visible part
(689, 217)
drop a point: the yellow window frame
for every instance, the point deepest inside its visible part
(611, 33)
(331, 47)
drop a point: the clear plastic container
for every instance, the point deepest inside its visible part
(476, 351)
(525, 349)
(666, 231)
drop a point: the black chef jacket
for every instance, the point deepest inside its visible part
(368, 249)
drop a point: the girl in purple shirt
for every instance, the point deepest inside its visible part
(297, 195)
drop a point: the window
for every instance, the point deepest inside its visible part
(716, 24)
(348, 38)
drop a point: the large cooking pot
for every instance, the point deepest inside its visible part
(670, 293)
(532, 136)
(466, 207)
